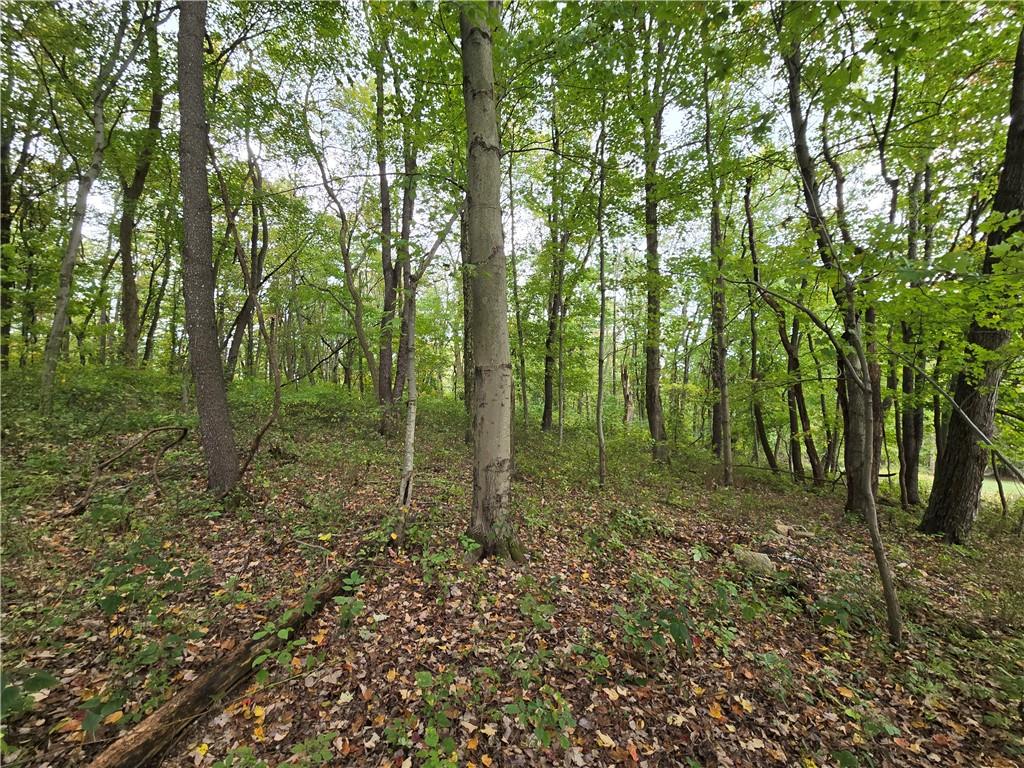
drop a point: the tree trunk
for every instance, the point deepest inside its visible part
(147, 354)
(602, 458)
(251, 265)
(467, 317)
(490, 525)
(628, 414)
(409, 450)
(132, 194)
(216, 433)
(953, 504)
(856, 373)
(652, 338)
(719, 375)
(517, 307)
(557, 281)
(388, 270)
(755, 377)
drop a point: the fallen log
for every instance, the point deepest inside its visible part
(157, 732)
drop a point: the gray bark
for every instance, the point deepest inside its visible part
(490, 525)
(215, 430)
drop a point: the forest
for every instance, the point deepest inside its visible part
(512, 383)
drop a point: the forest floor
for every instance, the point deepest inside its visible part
(632, 636)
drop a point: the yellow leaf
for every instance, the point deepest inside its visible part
(325, 536)
(845, 692)
(611, 693)
(745, 703)
(113, 717)
(258, 734)
(485, 759)
(259, 713)
(715, 710)
(392, 675)
(676, 719)
(471, 744)
(202, 749)
(394, 536)
(120, 632)
(605, 741)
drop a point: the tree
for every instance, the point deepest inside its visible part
(953, 503)
(92, 97)
(131, 192)
(216, 433)
(490, 524)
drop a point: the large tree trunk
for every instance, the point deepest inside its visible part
(953, 504)
(490, 525)
(132, 194)
(216, 433)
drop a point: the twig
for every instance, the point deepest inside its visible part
(79, 506)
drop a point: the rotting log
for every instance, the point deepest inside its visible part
(157, 732)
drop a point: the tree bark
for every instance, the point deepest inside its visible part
(516, 306)
(388, 271)
(719, 375)
(216, 433)
(490, 525)
(602, 458)
(853, 358)
(467, 317)
(755, 376)
(131, 195)
(557, 279)
(953, 503)
(105, 81)
(147, 354)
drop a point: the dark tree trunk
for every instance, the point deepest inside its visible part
(755, 376)
(388, 271)
(652, 339)
(953, 504)
(147, 354)
(557, 280)
(216, 433)
(132, 194)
